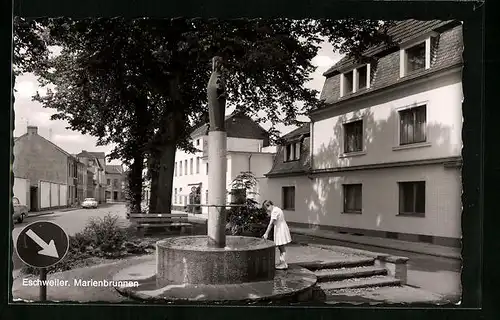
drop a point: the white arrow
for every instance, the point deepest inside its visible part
(47, 249)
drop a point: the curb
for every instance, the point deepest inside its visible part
(40, 214)
(441, 255)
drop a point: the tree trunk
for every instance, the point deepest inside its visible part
(165, 178)
(135, 183)
(154, 163)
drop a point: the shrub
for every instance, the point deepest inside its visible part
(104, 236)
(247, 219)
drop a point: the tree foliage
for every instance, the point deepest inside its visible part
(141, 84)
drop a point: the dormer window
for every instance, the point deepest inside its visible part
(417, 55)
(292, 152)
(355, 80)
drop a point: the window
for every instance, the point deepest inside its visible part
(108, 182)
(362, 77)
(412, 198)
(115, 183)
(353, 198)
(353, 136)
(175, 169)
(413, 125)
(207, 167)
(191, 166)
(197, 165)
(348, 82)
(355, 80)
(180, 168)
(206, 196)
(418, 56)
(197, 142)
(185, 167)
(292, 152)
(175, 195)
(288, 198)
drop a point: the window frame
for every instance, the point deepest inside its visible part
(401, 199)
(295, 150)
(413, 109)
(428, 40)
(344, 136)
(345, 187)
(284, 203)
(355, 80)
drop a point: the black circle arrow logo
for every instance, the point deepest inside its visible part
(42, 244)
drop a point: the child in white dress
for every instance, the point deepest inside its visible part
(282, 235)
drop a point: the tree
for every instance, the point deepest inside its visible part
(142, 83)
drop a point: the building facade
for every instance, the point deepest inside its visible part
(95, 163)
(247, 150)
(383, 154)
(49, 169)
(115, 183)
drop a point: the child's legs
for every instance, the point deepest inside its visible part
(282, 250)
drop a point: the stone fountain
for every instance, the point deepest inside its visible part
(216, 268)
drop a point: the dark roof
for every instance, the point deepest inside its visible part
(238, 126)
(303, 130)
(301, 166)
(114, 169)
(447, 53)
(99, 155)
(400, 32)
(93, 155)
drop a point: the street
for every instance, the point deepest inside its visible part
(71, 221)
(435, 274)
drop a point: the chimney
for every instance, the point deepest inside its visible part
(32, 130)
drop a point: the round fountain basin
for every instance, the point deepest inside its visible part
(189, 260)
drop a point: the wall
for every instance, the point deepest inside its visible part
(52, 195)
(37, 159)
(271, 189)
(320, 201)
(21, 190)
(258, 163)
(443, 96)
(241, 144)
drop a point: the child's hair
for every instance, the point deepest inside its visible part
(267, 203)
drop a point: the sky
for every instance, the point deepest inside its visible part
(32, 113)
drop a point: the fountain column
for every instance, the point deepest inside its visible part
(217, 157)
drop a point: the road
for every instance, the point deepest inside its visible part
(71, 221)
(435, 274)
(439, 275)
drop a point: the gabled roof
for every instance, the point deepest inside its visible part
(400, 32)
(93, 155)
(446, 53)
(303, 130)
(50, 142)
(237, 126)
(301, 166)
(114, 169)
(98, 155)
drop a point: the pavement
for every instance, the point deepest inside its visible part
(64, 286)
(428, 267)
(408, 246)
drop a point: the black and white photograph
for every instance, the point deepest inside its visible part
(237, 161)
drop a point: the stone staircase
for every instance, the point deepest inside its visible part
(349, 273)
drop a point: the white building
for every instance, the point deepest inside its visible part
(382, 157)
(247, 150)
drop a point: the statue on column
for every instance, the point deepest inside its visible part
(216, 91)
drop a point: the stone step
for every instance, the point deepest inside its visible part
(354, 283)
(324, 275)
(341, 263)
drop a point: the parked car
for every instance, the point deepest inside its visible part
(20, 210)
(89, 203)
